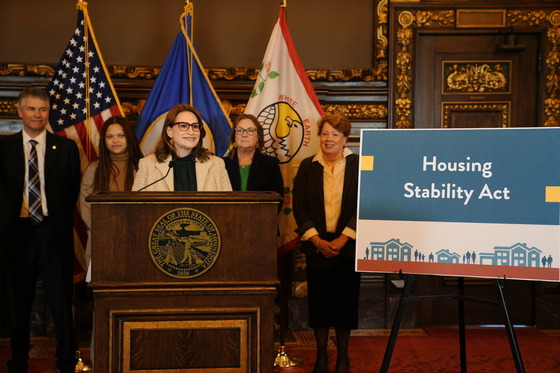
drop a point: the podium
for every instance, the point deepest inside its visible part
(184, 281)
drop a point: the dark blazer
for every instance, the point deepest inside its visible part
(62, 185)
(309, 199)
(264, 174)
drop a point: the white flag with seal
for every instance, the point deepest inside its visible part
(286, 105)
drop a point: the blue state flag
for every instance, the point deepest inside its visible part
(182, 80)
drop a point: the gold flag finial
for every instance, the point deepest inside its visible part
(81, 5)
(284, 4)
(188, 8)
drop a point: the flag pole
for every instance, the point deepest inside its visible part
(284, 5)
(282, 359)
(188, 29)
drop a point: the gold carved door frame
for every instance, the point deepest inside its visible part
(407, 19)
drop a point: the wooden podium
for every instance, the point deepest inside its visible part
(184, 281)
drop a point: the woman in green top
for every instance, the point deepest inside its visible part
(247, 167)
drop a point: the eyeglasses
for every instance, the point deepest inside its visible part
(184, 126)
(248, 131)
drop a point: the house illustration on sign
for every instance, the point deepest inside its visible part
(444, 256)
(518, 255)
(390, 250)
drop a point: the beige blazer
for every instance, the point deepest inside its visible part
(210, 175)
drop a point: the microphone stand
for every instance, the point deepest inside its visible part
(171, 164)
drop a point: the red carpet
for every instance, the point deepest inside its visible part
(437, 350)
(431, 350)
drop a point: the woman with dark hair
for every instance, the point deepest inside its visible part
(180, 150)
(114, 170)
(325, 204)
(248, 168)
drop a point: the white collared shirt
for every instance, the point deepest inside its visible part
(333, 185)
(41, 146)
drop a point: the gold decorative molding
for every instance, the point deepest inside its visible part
(237, 109)
(449, 107)
(11, 69)
(554, 18)
(365, 75)
(382, 41)
(403, 81)
(133, 72)
(443, 18)
(215, 74)
(130, 108)
(8, 107)
(354, 111)
(351, 111)
(481, 18)
(548, 20)
(534, 18)
(476, 77)
(552, 102)
(238, 73)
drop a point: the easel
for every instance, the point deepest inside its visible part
(461, 298)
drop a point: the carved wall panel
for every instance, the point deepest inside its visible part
(411, 19)
(468, 115)
(479, 76)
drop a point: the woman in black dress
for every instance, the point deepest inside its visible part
(325, 205)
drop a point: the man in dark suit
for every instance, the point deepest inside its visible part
(38, 216)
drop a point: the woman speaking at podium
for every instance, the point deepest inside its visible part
(325, 204)
(180, 161)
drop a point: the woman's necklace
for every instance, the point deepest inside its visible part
(331, 164)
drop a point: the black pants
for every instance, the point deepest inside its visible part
(34, 257)
(333, 288)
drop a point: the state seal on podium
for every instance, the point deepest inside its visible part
(184, 243)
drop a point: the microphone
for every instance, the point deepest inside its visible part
(171, 164)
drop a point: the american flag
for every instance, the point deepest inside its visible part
(82, 96)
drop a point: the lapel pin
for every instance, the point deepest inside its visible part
(54, 147)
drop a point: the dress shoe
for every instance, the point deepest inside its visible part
(343, 366)
(320, 364)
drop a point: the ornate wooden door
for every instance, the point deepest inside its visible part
(477, 80)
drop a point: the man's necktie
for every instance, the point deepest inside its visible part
(34, 186)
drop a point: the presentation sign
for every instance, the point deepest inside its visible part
(460, 202)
